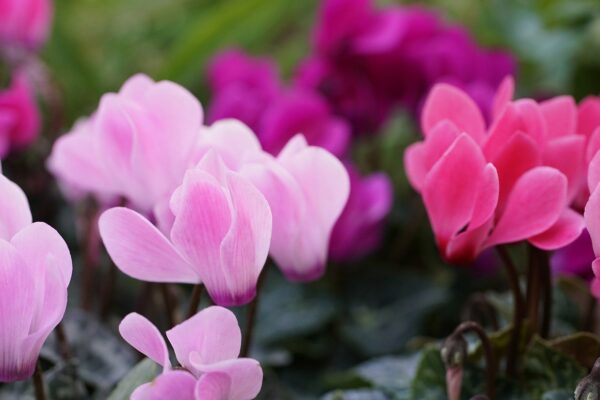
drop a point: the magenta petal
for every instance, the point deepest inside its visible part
(213, 335)
(446, 102)
(14, 209)
(568, 228)
(145, 338)
(245, 375)
(534, 205)
(168, 385)
(140, 250)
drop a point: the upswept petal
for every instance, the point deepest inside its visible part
(14, 209)
(420, 157)
(592, 219)
(568, 228)
(139, 249)
(593, 177)
(445, 102)
(535, 203)
(213, 386)
(503, 96)
(212, 335)
(560, 114)
(168, 385)
(567, 154)
(142, 335)
(245, 375)
(588, 115)
(232, 139)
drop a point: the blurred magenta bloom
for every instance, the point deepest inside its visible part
(207, 346)
(574, 259)
(24, 23)
(306, 112)
(359, 229)
(307, 189)
(137, 145)
(394, 55)
(486, 186)
(35, 271)
(19, 115)
(242, 86)
(219, 237)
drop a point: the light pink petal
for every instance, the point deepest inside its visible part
(14, 209)
(145, 338)
(38, 242)
(588, 117)
(560, 114)
(567, 154)
(445, 102)
(450, 190)
(245, 248)
(568, 228)
(168, 385)
(139, 249)
(454, 378)
(136, 86)
(420, 157)
(17, 295)
(213, 386)
(535, 203)
(503, 96)
(592, 219)
(213, 335)
(593, 177)
(593, 145)
(245, 375)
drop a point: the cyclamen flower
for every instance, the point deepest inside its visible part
(393, 56)
(24, 23)
(359, 228)
(19, 115)
(207, 346)
(219, 237)
(137, 145)
(35, 271)
(483, 187)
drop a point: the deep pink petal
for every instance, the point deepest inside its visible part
(567, 154)
(535, 203)
(168, 385)
(487, 197)
(593, 177)
(592, 219)
(145, 338)
(568, 228)
(560, 114)
(503, 96)
(139, 249)
(213, 335)
(588, 116)
(445, 102)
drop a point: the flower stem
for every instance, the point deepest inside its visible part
(63, 343)
(251, 312)
(91, 249)
(590, 314)
(38, 383)
(547, 285)
(195, 300)
(490, 359)
(518, 312)
(170, 306)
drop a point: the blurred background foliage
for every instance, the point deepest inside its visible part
(341, 331)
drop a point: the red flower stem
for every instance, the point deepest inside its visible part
(518, 313)
(38, 383)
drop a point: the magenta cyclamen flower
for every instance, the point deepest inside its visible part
(35, 271)
(207, 346)
(24, 23)
(219, 237)
(482, 187)
(19, 114)
(359, 229)
(137, 145)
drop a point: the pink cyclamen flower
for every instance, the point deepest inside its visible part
(207, 346)
(220, 235)
(359, 229)
(24, 23)
(483, 187)
(137, 145)
(35, 271)
(234, 78)
(303, 111)
(19, 115)
(307, 189)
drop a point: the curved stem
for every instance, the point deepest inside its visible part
(518, 313)
(490, 360)
(195, 300)
(38, 383)
(590, 314)
(63, 343)
(547, 287)
(170, 306)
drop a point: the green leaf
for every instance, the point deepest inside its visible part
(145, 371)
(584, 347)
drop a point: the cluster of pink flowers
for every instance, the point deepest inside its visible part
(24, 27)
(526, 175)
(207, 345)
(35, 272)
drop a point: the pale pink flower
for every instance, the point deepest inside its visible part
(220, 235)
(207, 346)
(35, 271)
